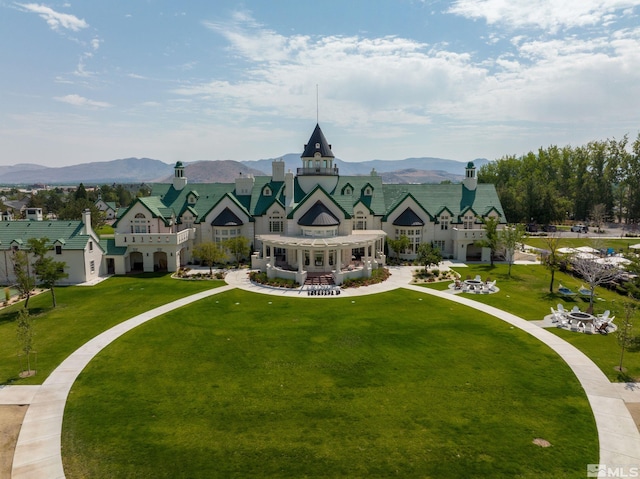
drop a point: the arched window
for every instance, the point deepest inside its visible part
(140, 224)
(360, 221)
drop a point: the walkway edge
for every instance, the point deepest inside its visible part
(618, 434)
(38, 449)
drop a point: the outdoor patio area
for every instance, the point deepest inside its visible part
(579, 321)
(474, 286)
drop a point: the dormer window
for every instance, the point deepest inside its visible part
(267, 191)
(317, 146)
(347, 191)
(192, 199)
(367, 191)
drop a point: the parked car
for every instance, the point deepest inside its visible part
(579, 229)
(550, 228)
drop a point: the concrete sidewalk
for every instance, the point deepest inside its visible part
(38, 452)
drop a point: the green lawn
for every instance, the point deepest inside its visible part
(391, 385)
(83, 313)
(619, 245)
(526, 294)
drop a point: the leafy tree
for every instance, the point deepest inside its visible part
(428, 255)
(399, 245)
(491, 237)
(238, 247)
(24, 334)
(80, 193)
(25, 282)
(510, 238)
(209, 253)
(552, 259)
(47, 270)
(73, 209)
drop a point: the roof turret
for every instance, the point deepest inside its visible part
(317, 144)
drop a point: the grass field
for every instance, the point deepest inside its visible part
(83, 313)
(526, 294)
(392, 385)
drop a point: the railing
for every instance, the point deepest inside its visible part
(470, 234)
(333, 171)
(126, 239)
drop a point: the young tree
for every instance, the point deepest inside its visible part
(552, 259)
(209, 253)
(25, 282)
(624, 334)
(594, 273)
(428, 255)
(25, 333)
(47, 270)
(238, 247)
(491, 237)
(399, 245)
(511, 237)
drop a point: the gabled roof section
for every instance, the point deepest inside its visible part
(261, 203)
(319, 215)
(408, 218)
(442, 210)
(68, 233)
(317, 143)
(401, 201)
(344, 189)
(347, 214)
(227, 218)
(375, 202)
(230, 196)
(454, 197)
(488, 212)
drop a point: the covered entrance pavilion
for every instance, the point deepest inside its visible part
(350, 256)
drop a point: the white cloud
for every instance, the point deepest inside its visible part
(549, 15)
(80, 101)
(55, 20)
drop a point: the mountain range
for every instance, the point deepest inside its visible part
(147, 170)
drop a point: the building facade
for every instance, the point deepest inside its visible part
(312, 222)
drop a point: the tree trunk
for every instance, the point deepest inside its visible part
(26, 301)
(553, 273)
(53, 297)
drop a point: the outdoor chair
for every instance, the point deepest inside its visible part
(575, 309)
(492, 285)
(478, 278)
(555, 317)
(565, 291)
(604, 315)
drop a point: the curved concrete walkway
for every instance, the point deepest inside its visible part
(38, 451)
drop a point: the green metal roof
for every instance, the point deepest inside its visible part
(69, 234)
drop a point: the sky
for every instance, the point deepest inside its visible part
(85, 81)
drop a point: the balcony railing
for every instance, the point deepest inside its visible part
(475, 234)
(159, 239)
(333, 171)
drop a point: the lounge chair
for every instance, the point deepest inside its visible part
(584, 291)
(566, 291)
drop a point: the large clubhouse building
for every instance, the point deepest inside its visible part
(313, 222)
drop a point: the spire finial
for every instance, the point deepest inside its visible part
(317, 106)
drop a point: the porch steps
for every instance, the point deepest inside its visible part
(319, 280)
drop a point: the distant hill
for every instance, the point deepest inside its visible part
(445, 168)
(147, 170)
(128, 170)
(222, 171)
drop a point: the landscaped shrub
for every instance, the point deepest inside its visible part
(377, 276)
(260, 277)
